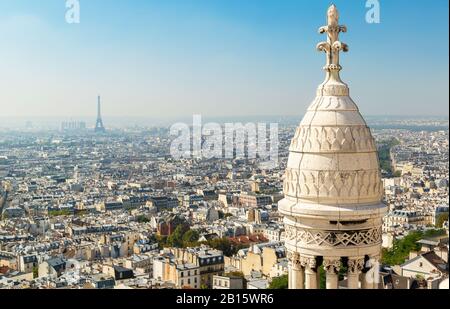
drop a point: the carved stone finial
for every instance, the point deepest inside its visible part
(332, 47)
(333, 15)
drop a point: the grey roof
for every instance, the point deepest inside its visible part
(55, 262)
(428, 242)
(30, 259)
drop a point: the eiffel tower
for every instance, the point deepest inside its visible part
(99, 128)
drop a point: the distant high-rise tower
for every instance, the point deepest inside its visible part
(99, 128)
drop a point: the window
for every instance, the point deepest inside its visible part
(189, 281)
(182, 274)
(420, 264)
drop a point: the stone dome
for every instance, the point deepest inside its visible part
(333, 156)
(333, 190)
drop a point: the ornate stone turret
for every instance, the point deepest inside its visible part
(333, 190)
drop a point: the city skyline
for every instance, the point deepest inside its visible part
(173, 59)
(225, 196)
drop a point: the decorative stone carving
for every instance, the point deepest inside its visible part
(295, 260)
(308, 262)
(290, 232)
(355, 265)
(332, 265)
(334, 238)
(297, 264)
(290, 255)
(333, 90)
(336, 184)
(332, 103)
(333, 140)
(333, 46)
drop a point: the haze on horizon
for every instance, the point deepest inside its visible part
(175, 58)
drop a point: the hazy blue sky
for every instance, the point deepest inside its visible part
(161, 58)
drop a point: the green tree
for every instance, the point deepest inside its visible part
(176, 238)
(441, 219)
(142, 219)
(235, 274)
(222, 244)
(279, 283)
(225, 245)
(434, 233)
(223, 215)
(342, 272)
(398, 174)
(190, 238)
(323, 278)
(401, 249)
(80, 213)
(162, 241)
(35, 272)
(227, 215)
(384, 154)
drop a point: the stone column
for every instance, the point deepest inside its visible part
(290, 276)
(365, 284)
(296, 272)
(310, 272)
(332, 267)
(355, 267)
(370, 278)
(299, 277)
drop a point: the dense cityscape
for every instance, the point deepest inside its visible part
(208, 177)
(81, 209)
